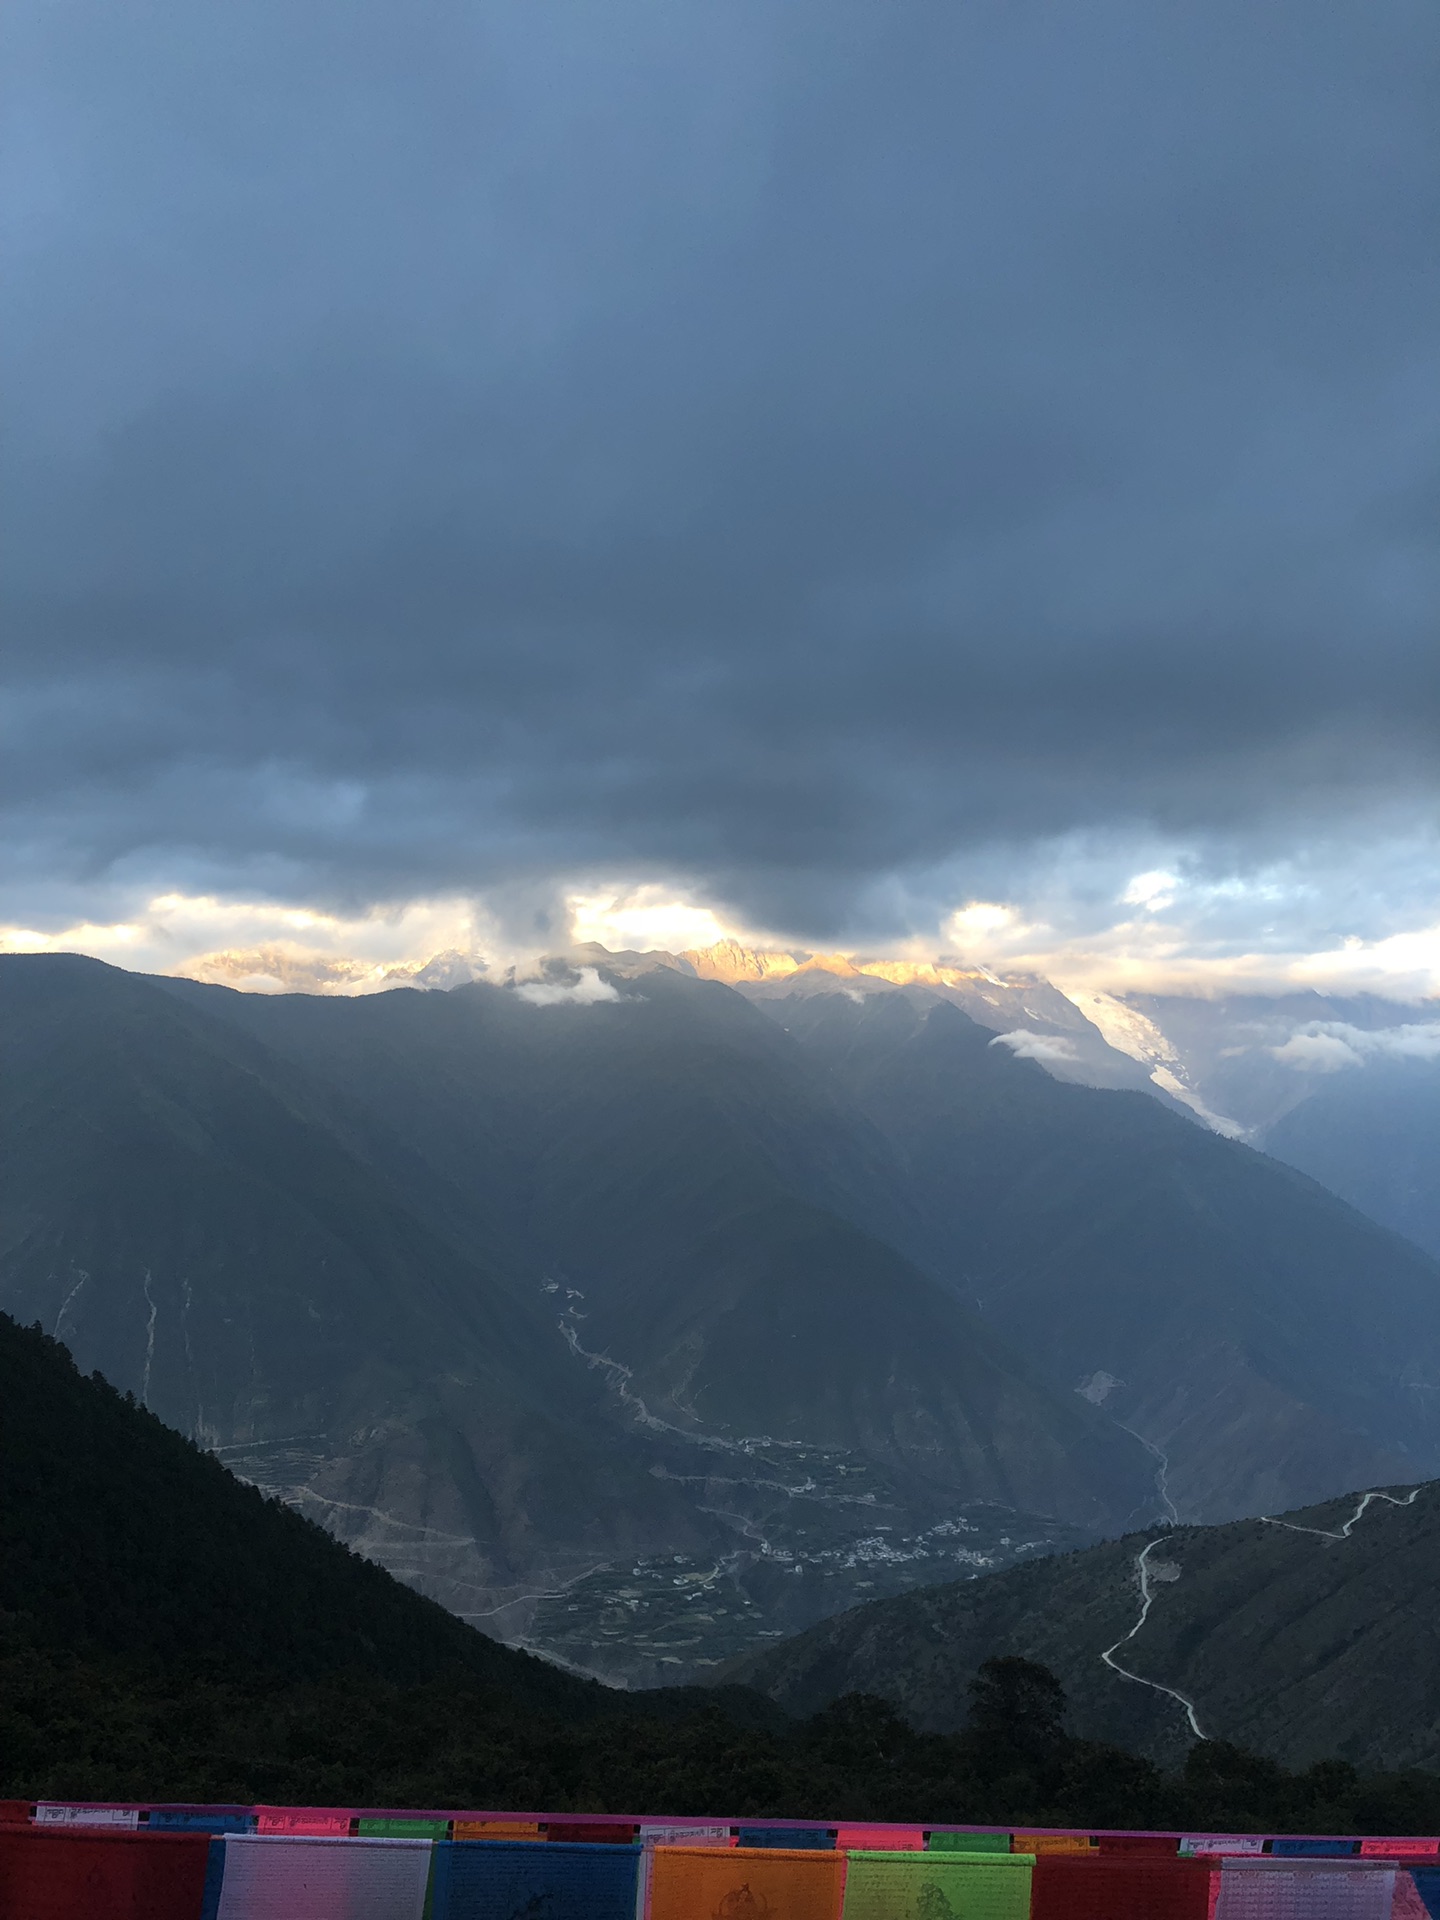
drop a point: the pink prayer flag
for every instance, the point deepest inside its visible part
(1407, 1904)
(882, 1839)
(310, 1822)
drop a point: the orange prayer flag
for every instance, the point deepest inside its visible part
(496, 1830)
(718, 1883)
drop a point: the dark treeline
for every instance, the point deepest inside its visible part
(167, 1633)
(108, 1730)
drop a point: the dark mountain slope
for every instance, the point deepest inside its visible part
(185, 1208)
(166, 1634)
(1259, 1333)
(511, 1293)
(1373, 1137)
(1294, 1639)
(119, 1537)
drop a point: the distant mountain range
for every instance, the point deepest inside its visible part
(1306, 1637)
(642, 1316)
(1344, 1087)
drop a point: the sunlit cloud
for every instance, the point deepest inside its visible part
(1168, 955)
(644, 919)
(1054, 1048)
(1097, 920)
(1328, 1046)
(1155, 891)
(987, 931)
(270, 947)
(587, 989)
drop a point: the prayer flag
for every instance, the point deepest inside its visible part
(1300, 1889)
(1069, 1887)
(200, 1820)
(592, 1833)
(316, 1823)
(937, 1886)
(62, 1874)
(495, 1830)
(514, 1879)
(1407, 1904)
(376, 1826)
(745, 1883)
(686, 1836)
(315, 1877)
(53, 1813)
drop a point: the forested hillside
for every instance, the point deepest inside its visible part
(1306, 1637)
(166, 1633)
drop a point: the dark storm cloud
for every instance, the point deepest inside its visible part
(778, 447)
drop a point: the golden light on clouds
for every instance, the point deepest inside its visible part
(643, 918)
(1157, 940)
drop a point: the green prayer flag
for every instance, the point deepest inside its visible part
(380, 1827)
(943, 1885)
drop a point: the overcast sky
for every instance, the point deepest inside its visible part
(839, 468)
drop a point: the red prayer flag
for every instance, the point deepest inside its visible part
(1070, 1887)
(60, 1875)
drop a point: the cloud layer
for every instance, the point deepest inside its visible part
(820, 464)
